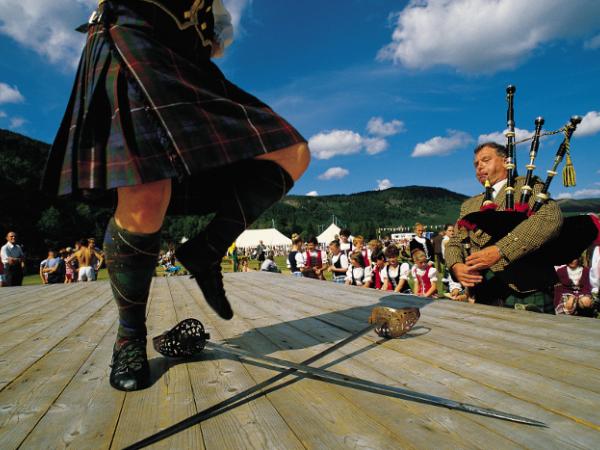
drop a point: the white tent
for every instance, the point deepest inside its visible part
(269, 236)
(329, 234)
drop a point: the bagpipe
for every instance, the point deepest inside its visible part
(577, 232)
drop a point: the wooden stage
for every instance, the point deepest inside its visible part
(56, 343)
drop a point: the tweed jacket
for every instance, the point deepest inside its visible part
(527, 237)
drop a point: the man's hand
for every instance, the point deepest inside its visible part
(484, 259)
(467, 276)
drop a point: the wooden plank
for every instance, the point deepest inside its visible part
(30, 395)
(28, 300)
(170, 398)
(15, 296)
(23, 355)
(253, 425)
(454, 363)
(85, 414)
(427, 426)
(23, 327)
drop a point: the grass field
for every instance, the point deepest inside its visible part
(33, 279)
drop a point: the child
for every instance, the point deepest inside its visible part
(395, 275)
(573, 294)
(295, 259)
(359, 245)
(315, 260)
(339, 262)
(345, 243)
(358, 275)
(425, 275)
(377, 266)
(244, 266)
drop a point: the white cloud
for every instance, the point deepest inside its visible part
(328, 144)
(484, 36)
(10, 94)
(439, 145)
(384, 184)
(589, 125)
(592, 43)
(47, 27)
(2, 115)
(312, 194)
(377, 127)
(581, 193)
(500, 138)
(17, 122)
(375, 145)
(334, 173)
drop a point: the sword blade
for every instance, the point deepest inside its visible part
(373, 386)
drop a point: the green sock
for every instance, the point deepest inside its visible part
(131, 260)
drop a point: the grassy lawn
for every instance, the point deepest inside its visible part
(34, 279)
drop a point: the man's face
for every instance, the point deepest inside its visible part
(11, 237)
(489, 166)
(450, 231)
(91, 243)
(419, 231)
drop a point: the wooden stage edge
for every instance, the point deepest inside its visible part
(56, 343)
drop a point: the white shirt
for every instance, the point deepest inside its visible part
(343, 259)
(420, 272)
(575, 275)
(497, 187)
(10, 250)
(361, 276)
(403, 268)
(299, 258)
(444, 242)
(595, 270)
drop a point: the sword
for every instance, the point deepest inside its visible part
(358, 383)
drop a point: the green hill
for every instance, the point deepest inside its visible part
(43, 220)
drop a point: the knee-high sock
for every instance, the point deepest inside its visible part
(255, 186)
(131, 260)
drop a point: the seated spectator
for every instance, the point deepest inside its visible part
(244, 264)
(424, 274)
(54, 268)
(358, 274)
(573, 294)
(268, 264)
(456, 291)
(339, 263)
(395, 275)
(295, 259)
(595, 271)
(374, 246)
(315, 260)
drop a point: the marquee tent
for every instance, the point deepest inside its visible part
(329, 234)
(269, 236)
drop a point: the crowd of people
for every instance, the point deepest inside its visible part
(66, 265)
(416, 266)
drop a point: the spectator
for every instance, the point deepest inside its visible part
(260, 251)
(269, 265)
(339, 262)
(69, 269)
(437, 249)
(315, 260)
(595, 271)
(232, 252)
(425, 275)
(573, 294)
(359, 245)
(395, 275)
(345, 243)
(84, 257)
(358, 274)
(13, 259)
(54, 269)
(295, 259)
(377, 266)
(420, 242)
(96, 261)
(244, 264)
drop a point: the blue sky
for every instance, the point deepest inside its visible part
(389, 93)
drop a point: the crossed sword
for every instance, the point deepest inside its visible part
(288, 368)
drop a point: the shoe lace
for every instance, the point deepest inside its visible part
(130, 357)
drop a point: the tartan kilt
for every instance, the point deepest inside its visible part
(149, 104)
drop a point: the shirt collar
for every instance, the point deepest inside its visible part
(498, 186)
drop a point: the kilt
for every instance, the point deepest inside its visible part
(149, 104)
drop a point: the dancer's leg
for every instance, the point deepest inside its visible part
(131, 246)
(257, 185)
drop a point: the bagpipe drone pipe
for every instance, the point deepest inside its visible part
(576, 234)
